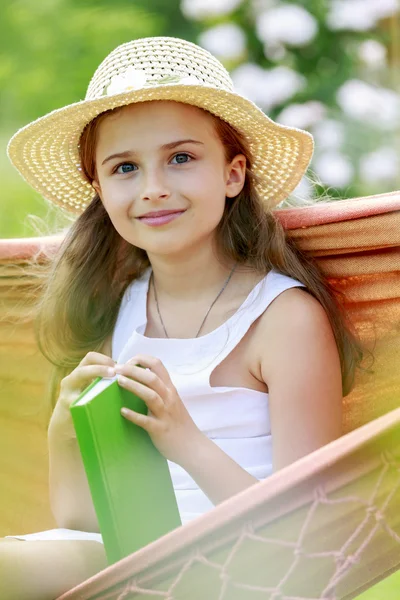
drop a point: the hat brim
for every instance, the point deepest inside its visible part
(45, 152)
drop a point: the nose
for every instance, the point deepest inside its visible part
(154, 185)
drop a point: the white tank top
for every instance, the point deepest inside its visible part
(235, 418)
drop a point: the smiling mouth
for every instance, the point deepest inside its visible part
(161, 213)
(160, 217)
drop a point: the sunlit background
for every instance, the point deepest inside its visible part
(328, 66)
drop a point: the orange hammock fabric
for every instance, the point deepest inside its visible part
(327, 527)
(357, 244)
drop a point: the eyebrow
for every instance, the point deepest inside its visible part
(168, 146)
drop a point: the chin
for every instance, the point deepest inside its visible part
(172, 247)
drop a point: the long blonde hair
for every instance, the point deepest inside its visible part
(78, 307)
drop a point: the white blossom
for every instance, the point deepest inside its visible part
(226, 41)
(384, 8)
(189, 80)
(132, 79)
(267, 88)
(288, 24)
(202, 9)
(350, 14)
(329, 133)
(381, 165)
(334, 169)
(375, 105)
(359, 15)
(372, 53)
(302, 116)
(248, 80)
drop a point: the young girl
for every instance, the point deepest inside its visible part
(176, 262)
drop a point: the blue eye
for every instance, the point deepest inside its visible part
(124, 168)
(185, 155)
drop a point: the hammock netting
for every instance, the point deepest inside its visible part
(326, 527)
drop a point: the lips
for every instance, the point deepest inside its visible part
(160, 217)
(160, 213)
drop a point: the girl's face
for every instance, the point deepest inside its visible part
(164, 156)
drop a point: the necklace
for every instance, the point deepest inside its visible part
(207, 313)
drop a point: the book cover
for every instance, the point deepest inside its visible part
(129, 479)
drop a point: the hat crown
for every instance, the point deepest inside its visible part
(154, 61)
(47, 151)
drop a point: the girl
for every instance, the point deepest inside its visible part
(177, 262)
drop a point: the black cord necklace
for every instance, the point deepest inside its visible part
(207, 313)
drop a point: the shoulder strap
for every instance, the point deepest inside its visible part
(132, 312)
(256, 303)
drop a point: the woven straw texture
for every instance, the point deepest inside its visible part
(46, 151)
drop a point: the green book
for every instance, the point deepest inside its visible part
(129, 479)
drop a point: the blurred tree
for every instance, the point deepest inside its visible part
(50, 49)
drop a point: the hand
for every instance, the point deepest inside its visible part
(168, 423)
(93, 365)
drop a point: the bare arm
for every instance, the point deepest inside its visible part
(70, 497)
(216, 473)
(301, 367)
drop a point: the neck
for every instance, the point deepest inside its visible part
(189, 277)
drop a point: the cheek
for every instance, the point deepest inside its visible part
(208, 214)
(116, 198)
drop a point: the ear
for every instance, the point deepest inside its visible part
(236, 175)
(96, 187)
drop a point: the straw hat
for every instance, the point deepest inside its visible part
(45, 152)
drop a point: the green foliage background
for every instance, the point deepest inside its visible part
(50, 49)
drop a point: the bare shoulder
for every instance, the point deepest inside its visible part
(299, 362)
(294, 330)
(296, 314)
(298, 328)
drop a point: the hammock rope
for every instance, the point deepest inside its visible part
(324, 528)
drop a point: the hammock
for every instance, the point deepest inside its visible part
(326, 527)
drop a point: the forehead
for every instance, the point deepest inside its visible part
(156, 119)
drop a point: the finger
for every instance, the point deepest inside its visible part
(144, 376)
(144, 421)
(96, 358)
(154, 364)
(152, 400)
(82, 376)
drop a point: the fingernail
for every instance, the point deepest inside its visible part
(111, 372)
